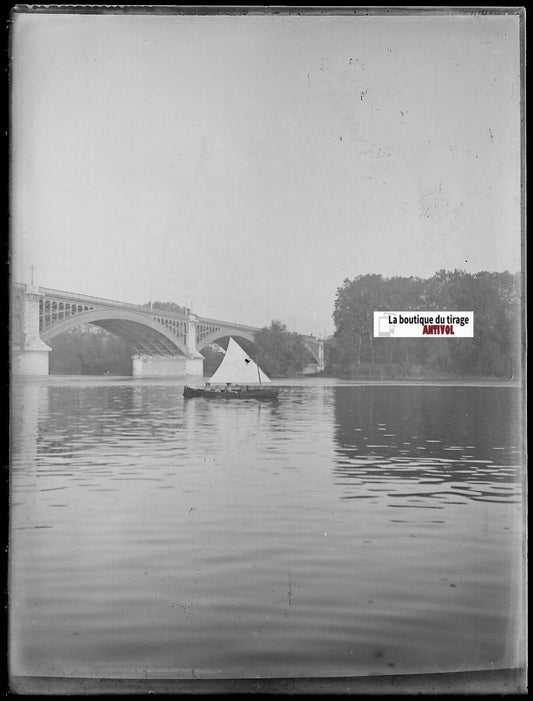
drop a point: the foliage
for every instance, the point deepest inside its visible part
(88, 350)
(353, 351)
(168, 306)
(280, 353)
(494, 351)
(212, 359)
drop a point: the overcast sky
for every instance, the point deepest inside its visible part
(248, 165)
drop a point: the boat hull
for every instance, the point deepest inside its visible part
(259, 393)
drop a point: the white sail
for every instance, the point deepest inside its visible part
(238, 368)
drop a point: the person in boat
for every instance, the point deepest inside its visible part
(211, 389)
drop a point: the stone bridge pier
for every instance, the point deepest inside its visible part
(29, 354)
(172, 365)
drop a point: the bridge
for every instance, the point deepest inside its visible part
(165, 343)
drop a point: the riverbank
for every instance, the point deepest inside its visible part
(300, 381)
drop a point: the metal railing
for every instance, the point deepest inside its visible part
(143, 308)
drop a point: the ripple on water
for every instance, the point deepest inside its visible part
(147, 529)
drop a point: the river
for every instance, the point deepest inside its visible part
(346, 529)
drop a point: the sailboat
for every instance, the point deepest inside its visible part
(237, 377)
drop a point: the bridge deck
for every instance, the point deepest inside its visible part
(141, 308)
(209, 324)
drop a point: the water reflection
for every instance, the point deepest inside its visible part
(156, 536)
(427, 445)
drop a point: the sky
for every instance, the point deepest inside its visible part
(248, 165)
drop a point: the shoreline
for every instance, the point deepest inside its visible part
(299, 381)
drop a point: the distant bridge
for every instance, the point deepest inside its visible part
(164, 342)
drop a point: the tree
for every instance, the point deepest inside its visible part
(493, 297)
(89, 350)
(213, 358)
(355, 303)
(280, 353)
(168, 306)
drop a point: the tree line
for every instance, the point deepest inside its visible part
(90, 350)
(493, 352)
(278, 351)
(352, 351)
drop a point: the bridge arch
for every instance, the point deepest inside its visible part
(145, 333)
(225, 333)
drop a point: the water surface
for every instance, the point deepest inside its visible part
(343, 530)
